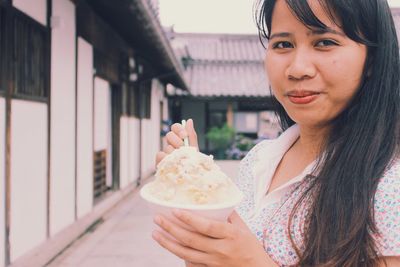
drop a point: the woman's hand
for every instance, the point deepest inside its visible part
(212, 243)
(175, 138)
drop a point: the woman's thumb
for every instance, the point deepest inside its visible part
(235, 219)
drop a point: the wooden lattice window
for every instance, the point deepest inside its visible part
(100, 174)
(29, 48)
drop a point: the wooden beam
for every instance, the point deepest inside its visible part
(48, 189)
(9, 91)
(229, 114)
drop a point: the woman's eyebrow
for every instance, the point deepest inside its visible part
(325, 30)
(280, 34)
(311, 32)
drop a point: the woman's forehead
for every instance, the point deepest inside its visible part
(311, 14)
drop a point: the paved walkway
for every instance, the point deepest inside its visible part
(123, 238)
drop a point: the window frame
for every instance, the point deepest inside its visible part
(9, 17)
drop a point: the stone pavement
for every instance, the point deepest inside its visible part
(123, 238)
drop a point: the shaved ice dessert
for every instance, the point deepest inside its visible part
(191, 180)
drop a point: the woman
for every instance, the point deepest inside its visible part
(327, 191)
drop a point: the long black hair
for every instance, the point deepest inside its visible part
(363, 140)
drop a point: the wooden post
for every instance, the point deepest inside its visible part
(229, 114)
(9, 86)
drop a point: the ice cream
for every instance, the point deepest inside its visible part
(187, 176)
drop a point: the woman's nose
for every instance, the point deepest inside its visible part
(301, 66)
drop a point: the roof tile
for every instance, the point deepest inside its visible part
(223, 64)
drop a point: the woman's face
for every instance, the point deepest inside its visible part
(313, 73)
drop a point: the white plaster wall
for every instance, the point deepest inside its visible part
(151, 131)
(134, 149)
(62, 142)
(124, 152)
(28, 176)
(84, 128)
(2, 178)
(102, 121)
(36, 9)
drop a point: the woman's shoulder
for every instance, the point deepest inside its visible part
(391, 177)
(261, 147)
(270, 147)
(248, 162)
(387, 210)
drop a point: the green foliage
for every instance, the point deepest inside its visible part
(221, 137)
(244, 143)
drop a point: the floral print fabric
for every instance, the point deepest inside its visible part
(267, 217)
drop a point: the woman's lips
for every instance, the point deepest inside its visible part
(302, 97)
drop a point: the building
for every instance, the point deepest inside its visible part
(396, 18)
(82, 100)
(227, 84)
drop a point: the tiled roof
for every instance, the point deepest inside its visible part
(227, 79)
(224, 65)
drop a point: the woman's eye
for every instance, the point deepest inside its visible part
(282, 45)
(324, 43)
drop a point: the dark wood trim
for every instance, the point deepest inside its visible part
(93, 132)
(161, 112)
(8, 178)
(104, 39)
(116, 111)
(8, 90)
(30, 98)
(100, 175)
(137, 24)
(207, 124)
(48, 191)
(139, 180)
(30, 19)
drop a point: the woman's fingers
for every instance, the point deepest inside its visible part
(192, 264)
(174, 140)
(182, 235)
(188, 131)
(203, 225)
(235, 219)
(178, 129)
(183, 252)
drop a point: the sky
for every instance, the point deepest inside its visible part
(213, 16)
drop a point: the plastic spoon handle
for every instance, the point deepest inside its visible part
(186, 139)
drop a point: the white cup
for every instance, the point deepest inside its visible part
(219, 212)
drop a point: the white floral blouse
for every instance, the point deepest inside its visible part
(267, 214)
